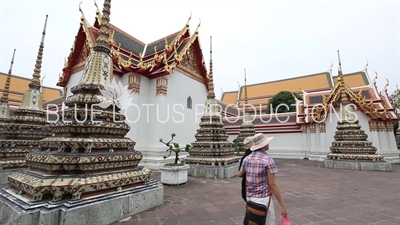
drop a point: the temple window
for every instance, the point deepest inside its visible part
(189, 103)
(134, 83)
(161, 86)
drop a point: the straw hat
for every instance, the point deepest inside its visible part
(259, 141)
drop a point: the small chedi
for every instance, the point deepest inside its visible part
(4, 106)
(28, 124)
(351, 146)
(247, 128)
(211, 147)
(89, 155)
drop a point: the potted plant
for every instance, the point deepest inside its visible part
(174, 173)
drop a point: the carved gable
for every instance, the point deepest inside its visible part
(189, 61)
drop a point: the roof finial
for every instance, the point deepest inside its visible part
(340, 65)
(35, 83)
(344, 98)
(366, 66)
(98, 14)
(330, 68)
(102, 43)
(197, 29)
(245, 88)
(4, 98)
(190, 17)
(211, 94)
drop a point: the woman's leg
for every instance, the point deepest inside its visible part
(271, 214)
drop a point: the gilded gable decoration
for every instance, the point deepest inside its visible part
(134, 83)
(189, 102)
(161, 86)
(189, 61)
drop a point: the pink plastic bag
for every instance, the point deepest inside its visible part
(285, 221)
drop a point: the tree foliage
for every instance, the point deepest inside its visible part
(395, 100)
(175, 148)
(283, 102)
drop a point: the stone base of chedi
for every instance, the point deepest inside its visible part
(100, 210)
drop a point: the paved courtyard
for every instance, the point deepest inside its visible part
(313, 195)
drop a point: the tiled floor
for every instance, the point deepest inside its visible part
(313, 195)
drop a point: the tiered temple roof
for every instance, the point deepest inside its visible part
(28, 124)
(211, 146)
(89, 154)
(247, 128)
(4, 106)
(180, 50)
(351, 142)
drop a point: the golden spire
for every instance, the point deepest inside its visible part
(102, 44)
(99, 68)
(35, 82)
(4, 98)
(342, 88)
(211, 94)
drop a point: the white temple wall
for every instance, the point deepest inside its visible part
(73, 81)
(169, 114)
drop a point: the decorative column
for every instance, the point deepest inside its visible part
(304, 145)
(323, 145)
(398, 137)
(391, 140)
(313, 144)
(373, 128)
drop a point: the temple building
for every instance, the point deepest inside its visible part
(27, 125)
(167, 78)
(310, 139)
(88, 163)
(212, 155)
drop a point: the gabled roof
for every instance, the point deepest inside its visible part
(261, 92)
(131, 55)
(19, 85)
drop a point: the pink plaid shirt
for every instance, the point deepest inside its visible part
(256, 166)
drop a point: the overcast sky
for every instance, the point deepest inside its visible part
(271, 39)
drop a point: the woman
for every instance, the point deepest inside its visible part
(260, 170)
(248, 142)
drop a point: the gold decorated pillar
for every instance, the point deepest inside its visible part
(314, 152)
(324, 150)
